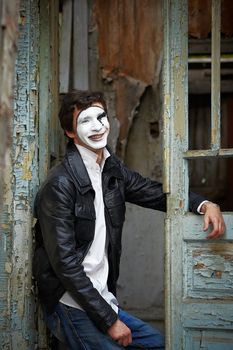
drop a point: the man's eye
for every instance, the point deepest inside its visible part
(84, 121)
(101, 116)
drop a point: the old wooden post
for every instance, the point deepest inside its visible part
(8, 39)
(20, 184)
(36, 86)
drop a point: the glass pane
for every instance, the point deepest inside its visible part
(226, 91)
(199, 74)
(227, 119)
(199, 121)
(213, 179)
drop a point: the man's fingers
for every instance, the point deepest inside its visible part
(206, 223)
(213, 216)
(125, 341)
(218, 229)
(129, 339)
(120, 333)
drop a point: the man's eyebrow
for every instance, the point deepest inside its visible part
(102, 115)
(86, 117)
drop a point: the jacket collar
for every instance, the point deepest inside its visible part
(112, 165)
(76, 168)
(78, 172)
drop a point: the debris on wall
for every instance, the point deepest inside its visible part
(129, 49)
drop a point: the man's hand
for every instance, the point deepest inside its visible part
(120, 333)
(213, 215)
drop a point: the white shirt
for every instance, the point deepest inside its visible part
(95, 263)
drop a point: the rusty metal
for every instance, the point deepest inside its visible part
(200, 18)
(129, 51)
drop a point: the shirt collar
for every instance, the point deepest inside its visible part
(89, 157)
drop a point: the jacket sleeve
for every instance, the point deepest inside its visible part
(149, 193)
(55, 213)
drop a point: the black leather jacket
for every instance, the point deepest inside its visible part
(65, 229)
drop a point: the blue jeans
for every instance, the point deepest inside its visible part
(74, 327)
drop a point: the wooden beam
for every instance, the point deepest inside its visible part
(208, 153)
(65, 46)
(80, 45)
(215, 75)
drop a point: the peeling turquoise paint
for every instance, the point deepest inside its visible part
(21, 322)
(17, 310)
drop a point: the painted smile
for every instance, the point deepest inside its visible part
(96, 137)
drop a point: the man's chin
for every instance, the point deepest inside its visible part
(95, 148)
(96, 145)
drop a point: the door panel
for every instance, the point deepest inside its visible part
(207, 311)
(208, 264)
(198, 272)
(208, 340)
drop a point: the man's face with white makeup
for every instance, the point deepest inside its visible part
(92, 127)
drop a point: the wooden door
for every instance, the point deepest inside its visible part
(198, 272)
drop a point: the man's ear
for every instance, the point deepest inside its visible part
(70, 134)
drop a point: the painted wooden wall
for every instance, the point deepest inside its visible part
(34, 147)
(18, 330)
(8, 41)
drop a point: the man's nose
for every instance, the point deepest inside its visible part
(96, 125)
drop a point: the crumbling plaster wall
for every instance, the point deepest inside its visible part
(128, 35)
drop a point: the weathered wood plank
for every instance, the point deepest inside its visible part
(208, 339)
(80, 45)
(21, 183)
(44, 90)
(208, 315)
(54, 140)
(207, 153)
(177, 89)
(193, 227)
(65, 46)
(49, 87)
(8, 38)
(215, 75)
(166, 104)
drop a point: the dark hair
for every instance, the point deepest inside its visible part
(81, 100)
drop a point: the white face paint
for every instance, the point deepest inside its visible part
(93, 127)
